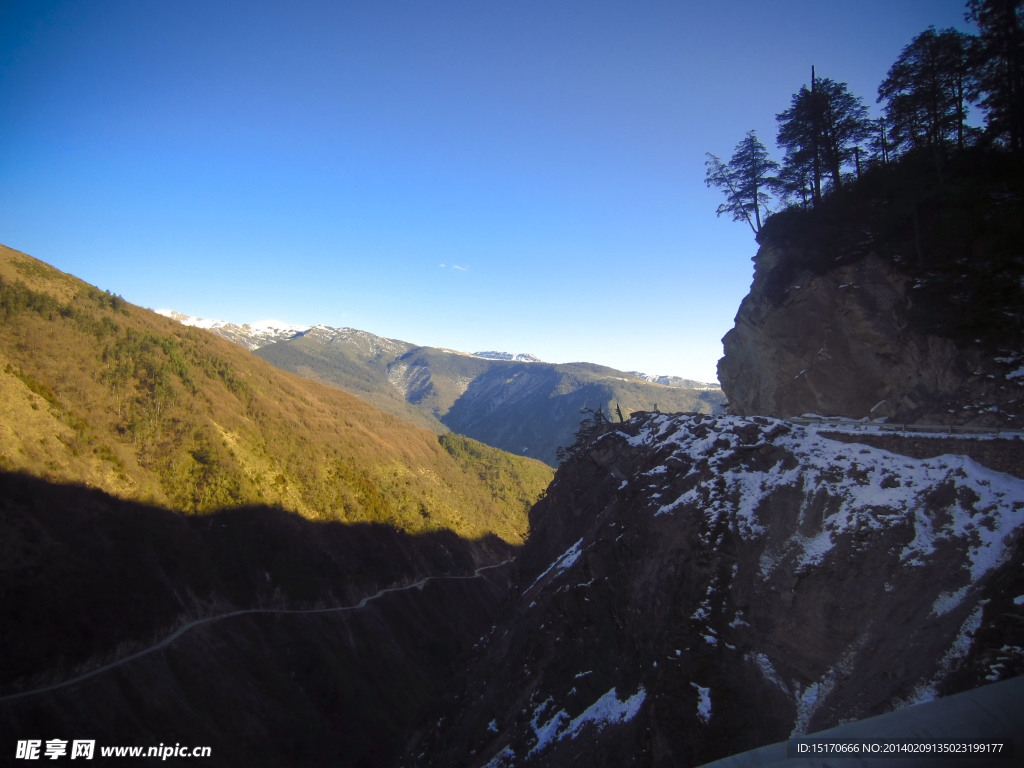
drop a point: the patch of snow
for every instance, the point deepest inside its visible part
(767, 564)
(503, 759)
(767, 670)
(607, 710)
(566, 560)
(814, 695)
(546, 732)
(703, 703)
(738, 621)
(807, 702)
(947, 601)
(928, 691)
(814, 548)
(687, 498)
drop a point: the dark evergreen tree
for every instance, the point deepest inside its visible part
(592, 424)
(999, 61)
(800, 137)
(878, 141)
(796, 181)
(926, 93)
(746, 181)
(845, 123)
(819, 133)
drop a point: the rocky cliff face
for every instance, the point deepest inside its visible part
(845, 342)
(901, 300)
(694, 586)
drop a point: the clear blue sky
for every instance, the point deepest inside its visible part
(496, 174)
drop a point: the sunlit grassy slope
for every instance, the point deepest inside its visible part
(98, 391)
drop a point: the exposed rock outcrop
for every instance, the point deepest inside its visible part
(696, 586)
(889, 303)
(845, 343)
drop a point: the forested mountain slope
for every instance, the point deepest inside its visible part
(97, 391)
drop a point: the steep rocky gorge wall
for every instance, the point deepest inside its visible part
(695, 586)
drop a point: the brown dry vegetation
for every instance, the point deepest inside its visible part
(98, 391)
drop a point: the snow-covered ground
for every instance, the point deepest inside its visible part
(797, 506)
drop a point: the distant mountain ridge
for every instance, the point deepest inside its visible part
(676, 381)
(265, 332)
(513, 402)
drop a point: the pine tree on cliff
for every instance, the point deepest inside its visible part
(1000, 67)
(799, 136)
(593, 422)
(819, 133)
(926, 93)
(746, 180)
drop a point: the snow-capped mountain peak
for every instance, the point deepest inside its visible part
(677, 381)
(276, 326)
(520, 357)
(250, 335)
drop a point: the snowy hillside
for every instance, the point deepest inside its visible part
(690, 578)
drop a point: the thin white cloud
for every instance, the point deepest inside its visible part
(454, 266)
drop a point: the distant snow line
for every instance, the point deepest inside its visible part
(210, 619)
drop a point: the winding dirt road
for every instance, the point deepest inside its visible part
(219, 617)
